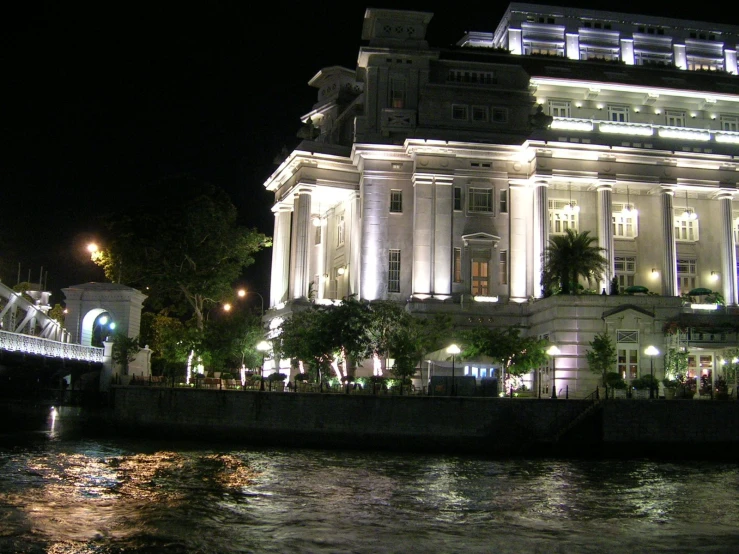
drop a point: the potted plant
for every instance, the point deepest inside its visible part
(277, 382)
(670, 388)
(722, 389)
(616, 384)
(301, 382)
(639, 389)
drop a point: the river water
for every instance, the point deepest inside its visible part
(62, 492)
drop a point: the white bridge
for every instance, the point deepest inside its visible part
(25, 327)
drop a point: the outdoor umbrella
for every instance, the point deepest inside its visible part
(635, 288)
(700, 291)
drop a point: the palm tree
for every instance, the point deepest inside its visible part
(571, 256)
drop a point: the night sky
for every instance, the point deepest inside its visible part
(103, 100)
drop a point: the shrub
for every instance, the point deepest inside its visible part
(615, 380)
(277, 377)
(670, 383)
(301, 377)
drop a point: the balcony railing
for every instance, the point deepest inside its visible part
(644, 130)
(14, 342)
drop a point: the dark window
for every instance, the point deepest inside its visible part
(396, 201)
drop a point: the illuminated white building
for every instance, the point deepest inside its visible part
(426, 177)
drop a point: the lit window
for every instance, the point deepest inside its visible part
(503, 268)
(393, 278)
(628, 363)
(563, 215)
(686, 275)
(705, 64)
(625, 223)
(729, 123)
(559, 108)
(675, 118)
(340, 230)
(396, 201)
(686, 225)
(504, 201)
(480, 272)
(397, 93)
(618, 113)
(625, 267)
(457, 265)
(480, 200)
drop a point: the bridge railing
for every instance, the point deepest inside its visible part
(15, 342)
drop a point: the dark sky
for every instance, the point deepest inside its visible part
(102, 100)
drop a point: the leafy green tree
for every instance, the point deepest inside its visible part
(57, 312)
(517, 355)
(184, 250)
(124, 350)
(602, 356)
(231, 341)
(170, 341)
(412, 338)
(570, 257)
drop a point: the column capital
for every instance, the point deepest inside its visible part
(540, 183)
(605, 185)
(667, 189)
(726, 194)
(518, 183)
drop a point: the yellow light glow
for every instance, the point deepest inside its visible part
(241, 293)
(227, 307)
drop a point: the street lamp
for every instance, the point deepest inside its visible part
(553, 351)
(262, 347)
(453, 349)
(242, 294)
(651, 351)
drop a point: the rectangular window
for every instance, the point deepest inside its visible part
(618, 113)
(500, 115)
(503, 268)
(459, 112)
(458, 199)
(504, 201)
(675, 118)
(393, 276)
(397, 92)
(396, 201)
(559, 108)
(686, 275)
(317, 236)
(340, 230)
(706, 64)
(480, 271)
(628, 363)
(471, 77)
(729, 123)
(480, 200)
(563, 215)
(624, 222)
(625, 267)
(457, 265)
(479, 113)
(686, 229)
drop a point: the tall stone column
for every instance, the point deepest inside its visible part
(541, 233)
(605, 230)
(423, 231)
(669, 257)
(374, 256)
(299, 270)
(728, 248)
(443, 234)
(280, 257)
(520, 212)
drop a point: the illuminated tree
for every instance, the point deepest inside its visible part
(184, 250)
(570, 257)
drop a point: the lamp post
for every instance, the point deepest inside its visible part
(243, 292)
(453, 349)
(651, 351)
(553, 351)
(262, 347)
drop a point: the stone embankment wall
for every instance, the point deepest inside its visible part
(462, 424)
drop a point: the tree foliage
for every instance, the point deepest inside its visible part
(602, 356)
(124, 349)
(184, 250)
(570, 257)
(518, 355)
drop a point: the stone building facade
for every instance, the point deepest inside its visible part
(436, 176)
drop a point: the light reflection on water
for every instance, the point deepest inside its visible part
(74, 495)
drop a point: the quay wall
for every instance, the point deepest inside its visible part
(445, 424)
